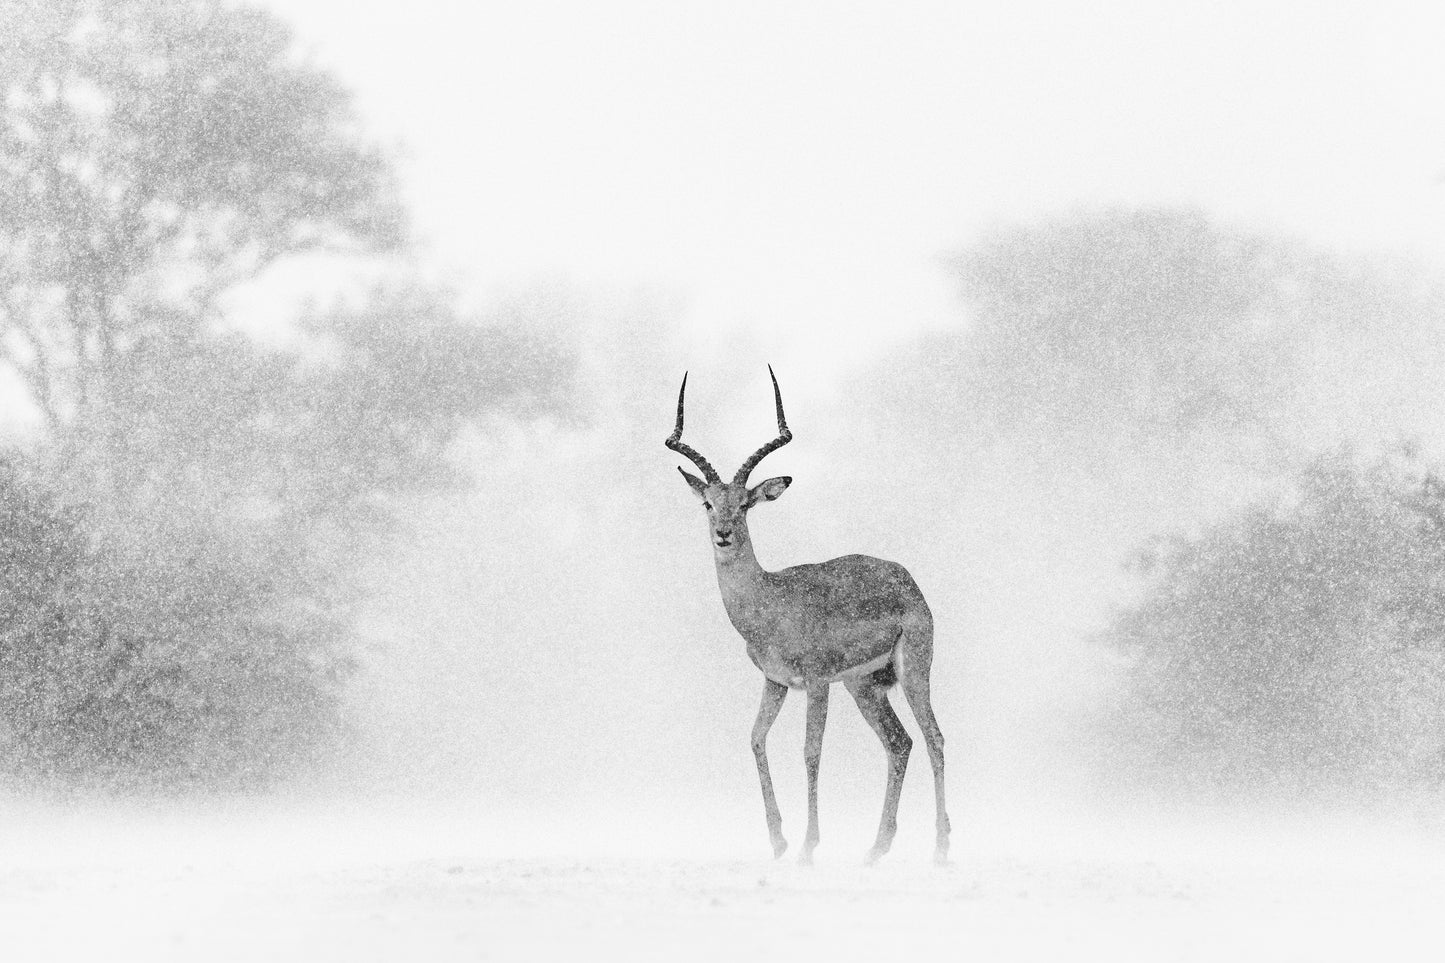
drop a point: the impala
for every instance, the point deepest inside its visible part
(857, 620)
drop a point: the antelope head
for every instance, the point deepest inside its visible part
(727, 503)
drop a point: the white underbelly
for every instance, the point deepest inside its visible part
(872, 665)
(847, 675)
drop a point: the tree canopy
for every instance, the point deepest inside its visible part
(216, 490)
(1170, 339)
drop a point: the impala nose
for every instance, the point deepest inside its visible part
(723, 534)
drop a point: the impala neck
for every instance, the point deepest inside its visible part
(738, 571)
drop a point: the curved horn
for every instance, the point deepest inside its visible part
(784, 436)
(674, 441)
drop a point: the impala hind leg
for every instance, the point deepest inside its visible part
(872, 701)
(773, 696)
(914, 663)
(812, 754)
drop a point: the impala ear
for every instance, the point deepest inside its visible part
(696, 483)
(770, 490)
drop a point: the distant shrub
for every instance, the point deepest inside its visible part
(1299, 647)
(130, 660)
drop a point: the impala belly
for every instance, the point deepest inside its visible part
(796, 676)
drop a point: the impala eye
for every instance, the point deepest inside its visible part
(707, 505)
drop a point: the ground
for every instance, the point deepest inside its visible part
(353, 885)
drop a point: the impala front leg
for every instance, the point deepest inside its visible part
(812, 754)
(773, 696)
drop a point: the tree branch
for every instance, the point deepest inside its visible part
(37, 375)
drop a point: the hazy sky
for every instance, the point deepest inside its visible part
(797, 168)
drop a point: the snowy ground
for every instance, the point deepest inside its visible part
(353, 884)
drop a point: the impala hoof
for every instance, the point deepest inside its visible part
(780, 846)
(874, 855)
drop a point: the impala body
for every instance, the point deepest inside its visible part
(860, 602)
(858, 620)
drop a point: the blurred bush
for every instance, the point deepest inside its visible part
(1299, 647)
(168, 662)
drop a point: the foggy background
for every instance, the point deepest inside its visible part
(342, 340)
